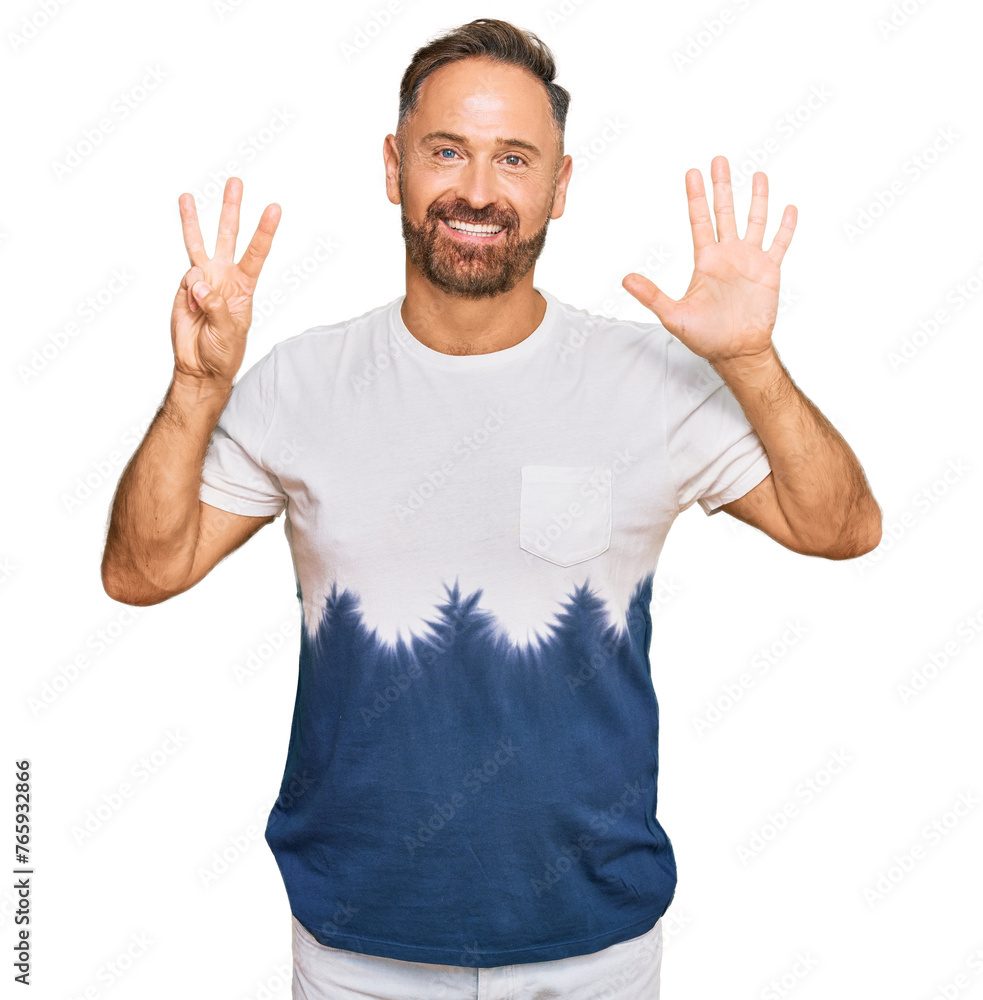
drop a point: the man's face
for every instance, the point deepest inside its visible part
(480, 150)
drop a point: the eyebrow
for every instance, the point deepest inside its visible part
(454, 137)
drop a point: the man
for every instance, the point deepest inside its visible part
(478, 480)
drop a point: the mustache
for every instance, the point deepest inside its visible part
(463, 213)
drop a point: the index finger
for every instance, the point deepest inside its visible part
(192, 231)
(253, 257)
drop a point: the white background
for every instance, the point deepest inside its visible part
(75, 405)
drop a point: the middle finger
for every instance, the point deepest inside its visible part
(723, 199)
(228, 223)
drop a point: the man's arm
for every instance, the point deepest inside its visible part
(816, 500)
(162, 538)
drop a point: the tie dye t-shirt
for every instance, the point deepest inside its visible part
(473, 759)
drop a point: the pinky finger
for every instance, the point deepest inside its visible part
(784, 235)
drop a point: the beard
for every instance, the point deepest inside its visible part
(471, 270)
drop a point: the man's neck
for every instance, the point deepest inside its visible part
(455, 325)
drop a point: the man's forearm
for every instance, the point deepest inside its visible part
(820, 485)
(153, 528)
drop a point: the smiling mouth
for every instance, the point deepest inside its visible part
(469, 229)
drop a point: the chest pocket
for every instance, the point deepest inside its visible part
(565, 512)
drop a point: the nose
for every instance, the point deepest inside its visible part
(477, 183)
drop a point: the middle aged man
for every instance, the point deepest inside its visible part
(478, 480)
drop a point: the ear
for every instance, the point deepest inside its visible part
(390, 155)
(562, 180)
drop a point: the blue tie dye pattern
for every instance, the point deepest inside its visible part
(426, 775)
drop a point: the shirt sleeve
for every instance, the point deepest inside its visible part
(234, 476)
(715, 455)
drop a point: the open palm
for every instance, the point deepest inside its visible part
(730, 307)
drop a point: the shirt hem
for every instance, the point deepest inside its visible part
(746, 483)
(236, 505)
(487, 959)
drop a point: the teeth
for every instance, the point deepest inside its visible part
(467, 227)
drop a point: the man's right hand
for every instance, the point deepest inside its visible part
(214, 304)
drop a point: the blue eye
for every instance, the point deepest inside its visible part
(446, 151)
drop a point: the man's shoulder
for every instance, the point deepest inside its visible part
(325, 335)
(613, 333)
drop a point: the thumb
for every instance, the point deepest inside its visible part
(212, 304)
(649, 294)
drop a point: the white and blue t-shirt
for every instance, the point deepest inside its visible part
(473, 759)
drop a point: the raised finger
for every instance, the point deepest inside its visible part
(251, 261)
(784, 235)
(723, 199)
(699, 211)
(228, 223)
(758, 215)
(192, 232)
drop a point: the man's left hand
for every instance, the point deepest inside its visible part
(729, 310)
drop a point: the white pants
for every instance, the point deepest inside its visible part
(628, 970)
